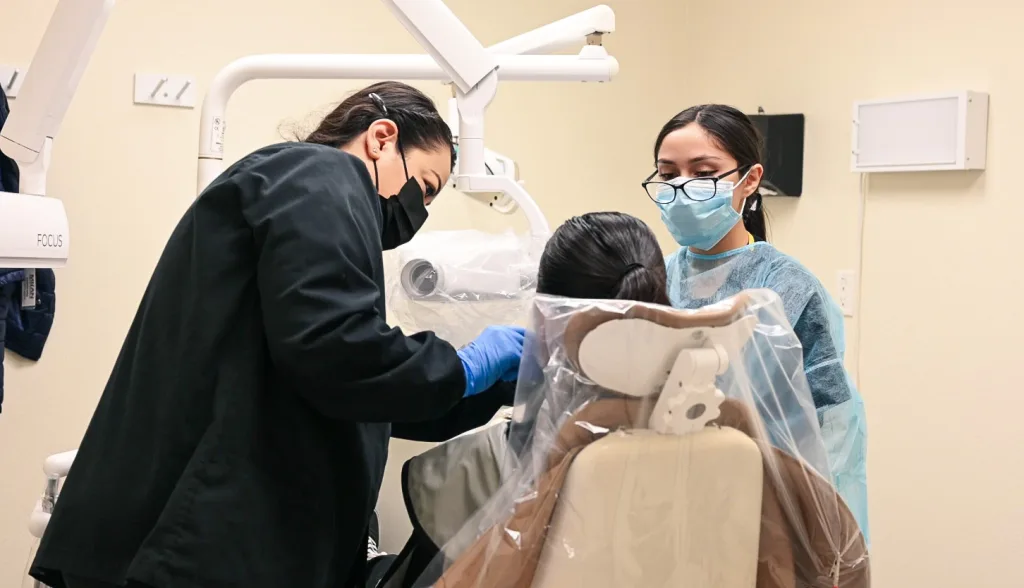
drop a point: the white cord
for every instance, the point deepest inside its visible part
(861, 205)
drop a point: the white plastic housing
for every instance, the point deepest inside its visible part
(426, 279)
(538, 68)
(33, 231)
(53, 76)
(561, 34)
(38, 520)
(930, 133)
(446, 39)
(59, 464)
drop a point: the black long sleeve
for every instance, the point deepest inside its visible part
(467, 415)
(316, 223)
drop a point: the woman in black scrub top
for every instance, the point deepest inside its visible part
(242, 436)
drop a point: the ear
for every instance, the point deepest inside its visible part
(380, 136)
(753, 180)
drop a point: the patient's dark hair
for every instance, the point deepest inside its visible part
(606, 255)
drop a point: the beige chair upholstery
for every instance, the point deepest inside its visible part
(658, 510)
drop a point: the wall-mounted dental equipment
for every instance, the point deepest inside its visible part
(456, 283)
(34, 227)
(497, 273)
(455, 57)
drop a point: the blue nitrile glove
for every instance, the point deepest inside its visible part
(492, 356)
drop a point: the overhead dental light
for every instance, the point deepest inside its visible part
(34, 227)
(455, 57)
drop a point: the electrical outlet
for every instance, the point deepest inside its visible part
(847, 281)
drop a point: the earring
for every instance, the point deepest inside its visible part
(375, 150)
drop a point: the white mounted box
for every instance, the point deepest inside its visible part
(941, 132)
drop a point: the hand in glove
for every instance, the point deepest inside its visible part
(492, 356)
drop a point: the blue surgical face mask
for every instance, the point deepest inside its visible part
(703, 218)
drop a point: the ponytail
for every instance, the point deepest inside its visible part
(754, 217)
(605, 255)
(643, 283)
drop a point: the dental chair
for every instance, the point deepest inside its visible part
(643, 473)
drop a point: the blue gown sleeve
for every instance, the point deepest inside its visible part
(818, 324)
(315, 222)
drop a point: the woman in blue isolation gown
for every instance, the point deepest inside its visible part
(706, 183)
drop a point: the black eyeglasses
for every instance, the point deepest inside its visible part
(698, 189)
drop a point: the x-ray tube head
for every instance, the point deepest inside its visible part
(423, 279)
(456, 283)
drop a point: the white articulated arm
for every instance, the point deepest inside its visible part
(446, 39)
(53, 76)
(55, 467)
(562, 34)
(34, 230)
(453, 55)
(470, 67)
(59, 464)
(213, 119)
(583, 27)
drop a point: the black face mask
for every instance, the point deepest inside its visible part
(403, 213)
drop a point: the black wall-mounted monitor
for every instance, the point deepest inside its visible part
(783, 136)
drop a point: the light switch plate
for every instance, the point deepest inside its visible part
(165, 90)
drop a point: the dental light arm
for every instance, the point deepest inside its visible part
(33, 228)
(454, 56)
(495, 164)
(584, 27)
(446, 39)
(562, 34)
(463, 59)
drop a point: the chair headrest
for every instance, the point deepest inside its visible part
(631, 352)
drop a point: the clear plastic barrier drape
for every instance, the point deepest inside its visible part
(456, 283)
(665, 449)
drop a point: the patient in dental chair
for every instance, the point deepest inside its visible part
(605, 255)
(610, 474)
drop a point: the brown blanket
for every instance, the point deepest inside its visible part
(809, 539)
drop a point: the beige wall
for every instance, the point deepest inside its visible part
(939, 322)
(946, 488)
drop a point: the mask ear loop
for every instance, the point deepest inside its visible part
(751, 203)
(379, 103)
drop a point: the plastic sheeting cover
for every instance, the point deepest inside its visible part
(456, 283)
(636, 471)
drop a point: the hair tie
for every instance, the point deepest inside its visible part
(630, 268)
